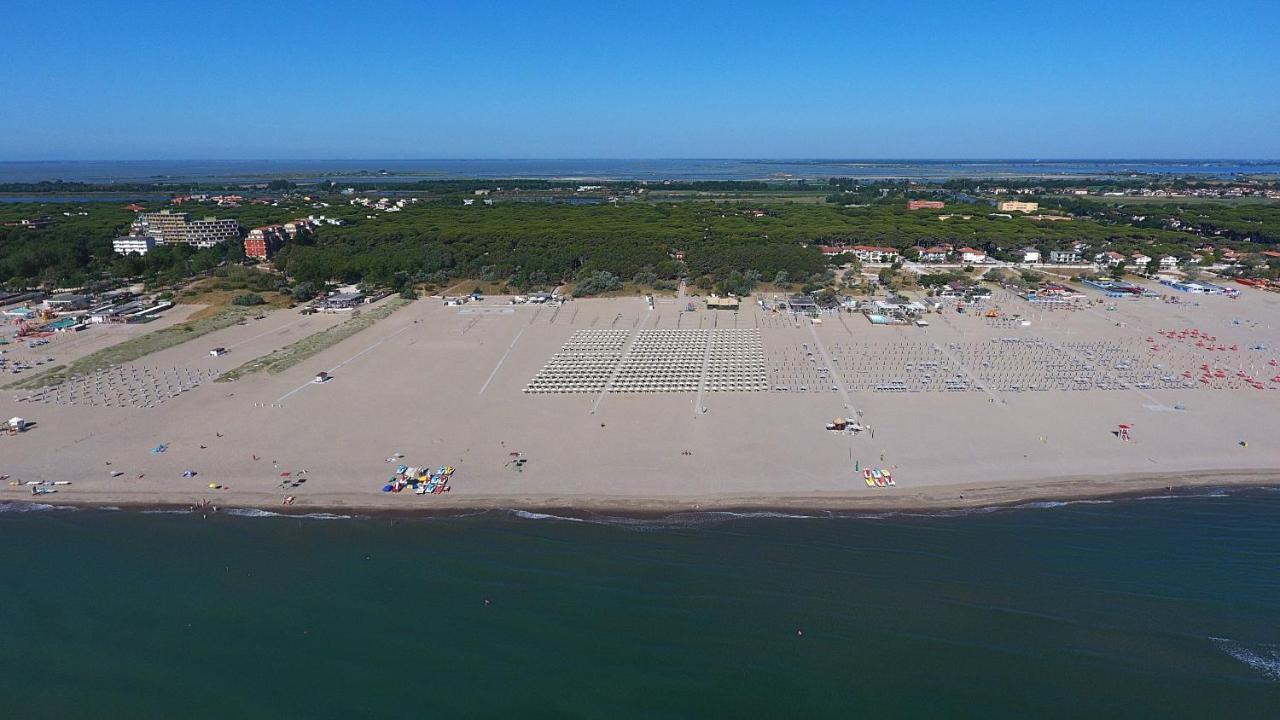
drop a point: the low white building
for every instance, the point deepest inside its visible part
(1064, 257)
(1168, 262)
(1030, 255)
(133, 244)
(875, 254)
(972, 255)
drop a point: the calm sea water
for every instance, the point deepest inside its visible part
(1164, 608)
(654, 170)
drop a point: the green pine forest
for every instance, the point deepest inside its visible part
(529, 244)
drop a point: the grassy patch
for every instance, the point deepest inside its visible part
(138, 347)
(217, 293)
(294, 353)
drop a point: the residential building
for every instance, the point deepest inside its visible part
(211, 231)
(301, 225)
(1030, 255)
(1168, 262)
(263, 242)
(1110, 258)
(972, 255)
(1017, 206)
(1138, 260)
(31, 223)
(934, 255)
(166, 226)
(1064, 257)
(874, 254)
(169, 228)
(925, 205)
(133, 244)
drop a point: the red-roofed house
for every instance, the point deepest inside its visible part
(971, 255)
(934, 254)
(1109, 258)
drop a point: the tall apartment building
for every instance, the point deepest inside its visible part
(263, 242)
(211, 231)
(164, 226)
(170, 228)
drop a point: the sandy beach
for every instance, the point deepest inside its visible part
(435, 385)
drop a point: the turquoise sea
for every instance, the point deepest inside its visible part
(1164, 607)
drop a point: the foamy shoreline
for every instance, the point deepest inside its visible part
(939, 498)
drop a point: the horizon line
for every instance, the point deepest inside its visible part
(779, 159)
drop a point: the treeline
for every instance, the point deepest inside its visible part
(704, 185)
(75, 249)
(537, 244)
(544, 244)
(446, 187)
(529, 244)
(1257, 223)
(53, 187)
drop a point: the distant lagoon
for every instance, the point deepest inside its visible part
(82, 197)
(654, 170)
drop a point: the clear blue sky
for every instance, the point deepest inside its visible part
(546, 79)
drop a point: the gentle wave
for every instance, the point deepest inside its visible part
(526, 515)
(260, 513)
(712, 517)
(1261, 657)
(681, 520)
(1046, 504)
(19, 506)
